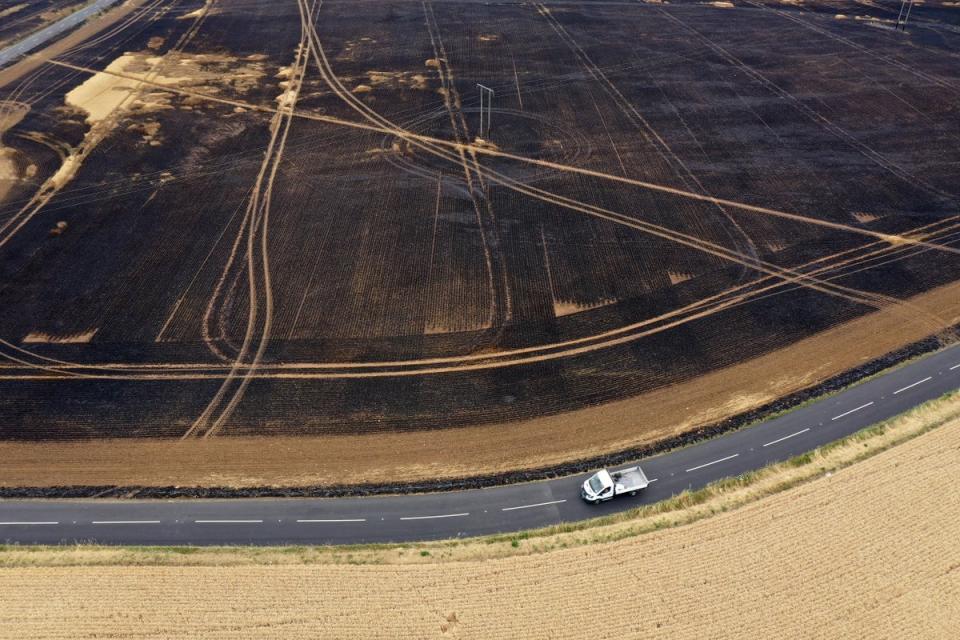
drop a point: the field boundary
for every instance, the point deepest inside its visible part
(785, 404)
(687, 508)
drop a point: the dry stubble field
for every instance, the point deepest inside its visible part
(853, 554)
(248, 243)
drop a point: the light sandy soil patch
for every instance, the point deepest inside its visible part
(10, 114)
(118, 91)
(864, 218)
(199, 13)
(103, 93)
(860, 555)
(8, 171)
(415, 456)
(9, 11)
(36, 337)
(562, 308)
(397, 79)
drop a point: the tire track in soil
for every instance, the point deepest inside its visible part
(356, 365)
(135, 16)
(690, 182)
(277, 371)
(394, 131)
(257, 221)
(806, 24)
(91, 140)
(869, 299)
(815, 116)
(93, 137)
(501, 309)
(873, 300)
(437, 146)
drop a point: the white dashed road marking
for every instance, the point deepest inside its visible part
(530, 506)
(786, 437)
(863, 406)
(338, 520)
(445, 515)
(228, 521)
(126, 522)
(714, 462)
(24, 524)
(956, 366)
(911, 386)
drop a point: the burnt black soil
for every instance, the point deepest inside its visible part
(381, 252)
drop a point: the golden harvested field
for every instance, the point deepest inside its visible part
(866, 552)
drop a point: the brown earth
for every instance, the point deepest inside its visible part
(407, 457)
(849, 555)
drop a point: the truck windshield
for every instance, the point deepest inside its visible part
(595, 484)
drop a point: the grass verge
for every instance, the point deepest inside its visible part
(685, 508)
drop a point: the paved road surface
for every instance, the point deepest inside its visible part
(39, 38)
(482, 511)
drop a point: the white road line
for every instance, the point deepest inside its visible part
(652, 480)
(956, 366)
(445, 515)
(339, 520)
(787, 437)
(126, 522)
(16, 524)
(714, 462)
(911, 386)
(228, 521)
(863, 406)
(530, 506)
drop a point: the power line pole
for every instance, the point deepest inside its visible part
(486, 110)
(904, 15)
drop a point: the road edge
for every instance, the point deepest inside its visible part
(720, 496)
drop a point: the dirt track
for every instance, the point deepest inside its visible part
(851, 555)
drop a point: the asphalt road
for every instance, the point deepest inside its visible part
(483, 511)
(39, 38)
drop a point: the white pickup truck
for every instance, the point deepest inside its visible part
(606, 485)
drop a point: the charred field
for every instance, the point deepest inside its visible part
(280, 223)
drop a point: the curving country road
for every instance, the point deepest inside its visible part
(477, 512)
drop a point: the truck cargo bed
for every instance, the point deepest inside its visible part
(630, 479)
